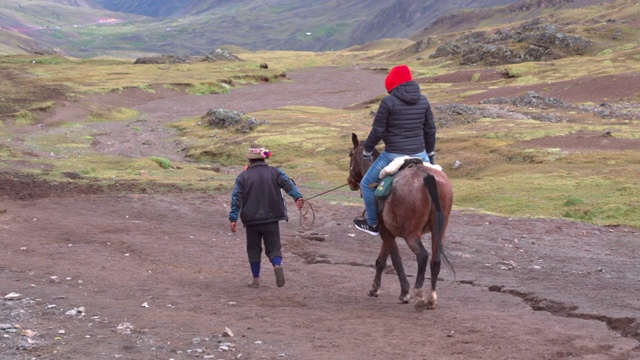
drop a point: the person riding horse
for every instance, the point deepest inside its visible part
(419, 201)
(405, 123)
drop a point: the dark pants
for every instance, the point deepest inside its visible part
(270, 233)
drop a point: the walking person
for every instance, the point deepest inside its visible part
(258, 201)
(405, 123)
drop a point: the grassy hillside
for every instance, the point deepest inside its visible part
(515, 159)
(51, 26)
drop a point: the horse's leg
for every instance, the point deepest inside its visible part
(396, 260)
(422, 257)
(435, 272)
(381, 263)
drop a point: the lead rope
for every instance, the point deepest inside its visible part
(307, 208)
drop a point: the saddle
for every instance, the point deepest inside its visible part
(383, 187)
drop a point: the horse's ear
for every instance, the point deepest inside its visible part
(354, 139)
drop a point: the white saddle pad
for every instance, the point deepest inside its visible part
(397, 163)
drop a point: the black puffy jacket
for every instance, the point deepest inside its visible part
(404, 122)
(256, 197)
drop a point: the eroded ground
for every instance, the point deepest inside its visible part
(103, 273)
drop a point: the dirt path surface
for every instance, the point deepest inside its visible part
(104, 276)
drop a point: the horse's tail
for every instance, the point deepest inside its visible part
(439, 223)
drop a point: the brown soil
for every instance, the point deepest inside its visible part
(583, 141)
(160, 276)
(596, 89)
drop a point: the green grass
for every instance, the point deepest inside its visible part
(25, 117)
(162, 162)
(500, 174)
(523, 193)
(211, 88)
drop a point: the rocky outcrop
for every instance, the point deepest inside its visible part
(532, 41)
(215, 55)
(164, 59)
(222, 118)
(221, 55)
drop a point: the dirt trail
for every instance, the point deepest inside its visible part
(159, 276)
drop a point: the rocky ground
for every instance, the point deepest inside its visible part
(88, 273)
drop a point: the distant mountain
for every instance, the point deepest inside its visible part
(153, 8)
(340, 23)
(80, 27)
(86, 28)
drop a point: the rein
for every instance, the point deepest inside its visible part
(304, 211)
(328, 191)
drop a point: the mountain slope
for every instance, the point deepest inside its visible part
(198, 26)
(133, 28)
(153, 8)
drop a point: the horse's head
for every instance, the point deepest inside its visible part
(357, 165)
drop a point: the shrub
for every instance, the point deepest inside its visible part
(25, 117)
(573, 201)
(164, 163)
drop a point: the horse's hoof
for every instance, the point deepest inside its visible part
(405, 299)
(372, 293)
(431, 302)
(420, 305)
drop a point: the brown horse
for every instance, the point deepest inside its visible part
(420, 201)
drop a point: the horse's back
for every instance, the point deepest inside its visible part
(408, 208)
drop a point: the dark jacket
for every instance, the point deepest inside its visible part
(257, 197)
(404, 122)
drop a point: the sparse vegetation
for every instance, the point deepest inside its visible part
(164, 163)
(209, 88)
(25, 117)
(500, 171)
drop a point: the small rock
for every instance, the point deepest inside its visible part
(28, 333)
(124, 328)
(227, 332)
(507, 265)
(12, 296)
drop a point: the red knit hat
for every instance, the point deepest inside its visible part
(398, 75)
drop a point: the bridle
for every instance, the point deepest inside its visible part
(356, 163)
